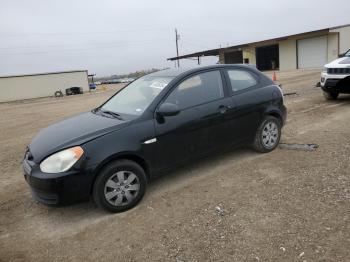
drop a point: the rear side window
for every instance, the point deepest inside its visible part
(241, 79)
(198, 89)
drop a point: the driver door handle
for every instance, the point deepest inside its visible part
(223, 109)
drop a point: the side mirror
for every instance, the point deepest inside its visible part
(341, 55)
(168, 109)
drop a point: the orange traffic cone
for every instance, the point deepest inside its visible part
(274, 78)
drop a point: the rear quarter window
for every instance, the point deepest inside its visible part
(241, 79)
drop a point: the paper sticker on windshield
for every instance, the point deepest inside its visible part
(159, 85)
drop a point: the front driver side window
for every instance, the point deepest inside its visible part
(198, 89)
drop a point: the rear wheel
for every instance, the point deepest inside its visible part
(268, 135)
(330, 95)
(120, 186)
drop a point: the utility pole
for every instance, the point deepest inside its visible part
(177, 38)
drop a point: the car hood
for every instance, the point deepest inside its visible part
(343, 62)
(70, 132)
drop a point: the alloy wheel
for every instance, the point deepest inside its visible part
(270, 134)
(121, 188)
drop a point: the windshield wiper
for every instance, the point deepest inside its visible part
(111, 113)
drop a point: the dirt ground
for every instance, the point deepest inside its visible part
(287, 205)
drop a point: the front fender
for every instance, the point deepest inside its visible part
(127, 141)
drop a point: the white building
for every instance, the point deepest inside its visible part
(20, 87)
(304, 50)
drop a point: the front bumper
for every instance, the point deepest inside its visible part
(335, 83)
(58, 189)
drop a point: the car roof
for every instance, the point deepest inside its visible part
(179, 71)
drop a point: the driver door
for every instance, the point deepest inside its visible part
(199, 124)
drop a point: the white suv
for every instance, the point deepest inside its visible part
(335, 77)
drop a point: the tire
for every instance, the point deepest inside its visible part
(268, 135)
(58, 94)
(330, 95)
(112, 189)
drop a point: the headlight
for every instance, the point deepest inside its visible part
(61, 161)
(324, 70)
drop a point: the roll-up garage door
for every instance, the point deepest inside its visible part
(312, 52)
(235, 57)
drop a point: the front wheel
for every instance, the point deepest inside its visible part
(120, 186)
(330, 95)
(268, 135)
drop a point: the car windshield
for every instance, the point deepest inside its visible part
(137, 96)
(347, 53)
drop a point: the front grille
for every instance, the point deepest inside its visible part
(27, 161)
(338, 71)
(26, 167)
(28, 155)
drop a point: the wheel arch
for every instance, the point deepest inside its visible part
(125, 155)
(275, 113)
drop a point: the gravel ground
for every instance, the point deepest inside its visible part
(288, 205)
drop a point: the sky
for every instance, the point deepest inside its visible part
(116, 37)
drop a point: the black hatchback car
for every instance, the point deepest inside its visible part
(155, 123)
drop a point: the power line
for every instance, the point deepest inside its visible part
(77, 49)
(86, 33)
(194, 44)
(91, 33)
(97, 44)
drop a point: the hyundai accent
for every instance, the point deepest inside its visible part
(153, 124)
